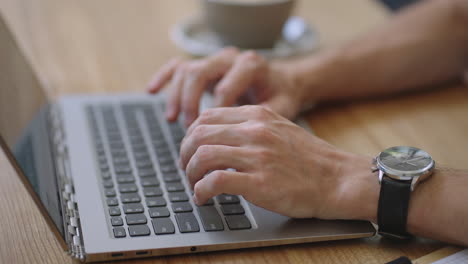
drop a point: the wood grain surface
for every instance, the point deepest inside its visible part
(115, 45)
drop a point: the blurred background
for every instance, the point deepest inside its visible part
(54, 34)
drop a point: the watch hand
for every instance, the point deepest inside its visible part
(414, 159)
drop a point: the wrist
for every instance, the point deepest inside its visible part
(358, 193)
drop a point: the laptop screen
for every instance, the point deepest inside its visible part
(23, 128)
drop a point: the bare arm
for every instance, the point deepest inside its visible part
(437, 207)
(425, 44)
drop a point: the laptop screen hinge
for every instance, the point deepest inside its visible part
(70, 213)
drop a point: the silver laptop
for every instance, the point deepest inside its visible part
(102, 169)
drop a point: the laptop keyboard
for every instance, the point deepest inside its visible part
(145, 192)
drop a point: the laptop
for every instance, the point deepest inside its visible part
(102, 170)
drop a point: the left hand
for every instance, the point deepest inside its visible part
(279, 166)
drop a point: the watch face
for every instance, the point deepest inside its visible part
(408, 160)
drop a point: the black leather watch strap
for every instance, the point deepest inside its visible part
(393, 207)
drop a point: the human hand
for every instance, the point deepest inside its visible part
(279, 166)
(237, 77)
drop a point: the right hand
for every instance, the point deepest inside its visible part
(238, 77)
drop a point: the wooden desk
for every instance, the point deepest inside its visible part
(115, 45)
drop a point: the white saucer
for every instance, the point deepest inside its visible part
(194, 37)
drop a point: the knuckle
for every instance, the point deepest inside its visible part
(251, 55)
(261, 132)
(230, 50)
(219, 178)
(199, 133)
(198, 188)
(264, 156)
(261, 183)
(195, 68)
(206, 116)
(204, 153)
(251, 59)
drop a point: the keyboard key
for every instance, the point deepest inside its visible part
(152, 191)
(128, 188)
(171, 177)
(163, 152)
(169, 168)
(155, 201)
(228, 199)
(210, 218)
(116, 221)
(182, 207)
(187, 223)
(175, 187)
(160, 143)
(104, 167)
(122, 169)
(232, 209)
(144, 164)
(237, 222)
(119, 153)
(117, 145)
(141, 155)
(163, 226)
(130, 198)
(119, 232)
(114, 211)
(149, 182)
(125, 178)
(139, 230)
(133, 208)
(112, 201)
(209, 202)
(165, 160)
(147, 173)
(120, 160)
(109, 192)
(139, 148)
(178, 197)
(108, 184)
(158, 212)
(135, 219)
(106, 175)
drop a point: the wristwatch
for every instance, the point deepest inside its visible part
(400, 170)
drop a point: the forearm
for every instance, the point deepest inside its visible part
(437, 208)
(423, 45)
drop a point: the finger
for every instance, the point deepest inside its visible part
(173, 100)
(224, 115)
(221, 181)
(208, 135)
(228, 115)
(194, 85)
(246, 69)
(215, 157)
(163, 76)
(199, 75)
